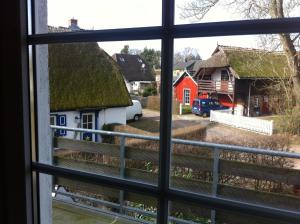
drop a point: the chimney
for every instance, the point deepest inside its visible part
(73, 22)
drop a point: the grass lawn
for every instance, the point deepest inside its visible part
(146, 125)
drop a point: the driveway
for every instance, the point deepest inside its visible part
(178, 121)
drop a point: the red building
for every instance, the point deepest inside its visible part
(185, 89)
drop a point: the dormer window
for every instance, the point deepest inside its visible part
(143, 67)
(122, 59)
(140, 60)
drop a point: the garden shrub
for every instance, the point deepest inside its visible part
(186, 109)
(149, 91)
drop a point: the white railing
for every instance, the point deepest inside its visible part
(246, 123)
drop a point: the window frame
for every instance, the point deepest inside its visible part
(186, 90)
(52, 116)
(224, 75)
(167, 32)
(87, 123)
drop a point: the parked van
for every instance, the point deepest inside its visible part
(203, 107)
(134, 112)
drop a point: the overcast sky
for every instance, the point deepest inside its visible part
(106, 14)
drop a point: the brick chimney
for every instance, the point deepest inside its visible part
(73, 22)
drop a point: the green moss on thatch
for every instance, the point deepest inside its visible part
(82, 75)
(251, 63)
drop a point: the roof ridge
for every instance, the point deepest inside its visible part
(249, 49)
(53, 29)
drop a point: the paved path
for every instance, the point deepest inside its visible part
(178, 121)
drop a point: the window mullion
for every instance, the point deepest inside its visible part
(165, 109)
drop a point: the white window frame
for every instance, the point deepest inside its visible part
(186, 98)
(88, 122)
(53, 117)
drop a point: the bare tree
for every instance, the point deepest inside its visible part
(258, 9)
(187, 54)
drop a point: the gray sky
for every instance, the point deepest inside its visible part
(107, 14)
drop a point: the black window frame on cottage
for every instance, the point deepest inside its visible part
(19, 192)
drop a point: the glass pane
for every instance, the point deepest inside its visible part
(255, 106)
(76, 202)
(52, 120)
(68, 15)
(198, 11)
(184, 212)
(93, 89)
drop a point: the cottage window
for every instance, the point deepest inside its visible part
(18, 185)
(87, 121)
(224, 75)
(52, 120)
(186, 95)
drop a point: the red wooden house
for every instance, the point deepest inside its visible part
(185, 89)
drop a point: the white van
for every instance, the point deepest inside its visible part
(134, 112)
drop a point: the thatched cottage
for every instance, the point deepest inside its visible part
(87, 89)
(240, 77)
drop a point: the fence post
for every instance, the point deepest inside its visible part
(215, 181)
(180, 109)
(122, 171)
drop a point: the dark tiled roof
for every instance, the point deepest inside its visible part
(191, 66)
(134, 68)
(184, 65)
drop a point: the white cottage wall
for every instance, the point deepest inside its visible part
(111, 116)
(105, 116)
(71, 122)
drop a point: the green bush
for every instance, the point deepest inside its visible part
(186, 109)
(107, 138)
(149, 91)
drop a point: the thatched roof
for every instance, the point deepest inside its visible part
(83, 76)
(249, 63)
(134, 68)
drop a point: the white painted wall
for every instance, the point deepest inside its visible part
(136, 86)
(70, 116)
(112, 115)
(128, 86)
(105, 116)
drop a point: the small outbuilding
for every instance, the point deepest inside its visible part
(185, 89)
